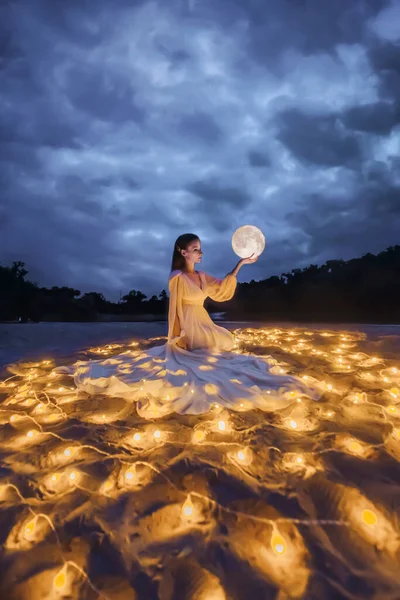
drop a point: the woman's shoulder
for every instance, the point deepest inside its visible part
(175, 273)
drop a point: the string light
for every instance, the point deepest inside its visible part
(369, 517)
(278, 544)
(187, 508)
(30, 527)
(60, 579)
(199, 435)
(130, 474)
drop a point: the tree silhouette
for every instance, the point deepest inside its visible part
(365, 289)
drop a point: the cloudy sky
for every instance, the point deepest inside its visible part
(125, 123)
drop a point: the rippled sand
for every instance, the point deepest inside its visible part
(303, 502)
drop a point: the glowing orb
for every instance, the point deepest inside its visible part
(248, 240)
(221, 425)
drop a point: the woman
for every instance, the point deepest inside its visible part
(196, 368)
(189, 324)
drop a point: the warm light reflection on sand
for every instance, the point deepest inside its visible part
(211, 505)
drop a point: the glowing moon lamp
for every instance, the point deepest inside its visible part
(247, 240)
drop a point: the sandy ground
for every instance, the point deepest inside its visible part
(41, 340)
(302, 502)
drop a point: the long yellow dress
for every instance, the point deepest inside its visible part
(189, 324)
(196, 367)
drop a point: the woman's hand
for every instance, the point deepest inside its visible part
(249, 260)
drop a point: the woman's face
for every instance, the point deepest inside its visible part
(193, 252)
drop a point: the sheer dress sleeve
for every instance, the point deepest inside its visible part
(221, 290)
(175, 313)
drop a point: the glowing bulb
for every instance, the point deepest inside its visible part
(221, 425)
(369, 517)
(60, 389)
(31, 433)
(60, 579)
(329, 386)
(241, 455)
(293, 424)
(187, 508)
(136, 437)
(55, 477)
(299, 400)
(157, 434)
(392, 408)
(394, 370)
(67, 452)
(199, 435)
(13, 418)
(278, 544)
(129, 475)
(299, 460)
(329, 413)
(355, 446)
(30, 527)
(72, 476)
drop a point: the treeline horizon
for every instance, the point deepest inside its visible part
(365, 289)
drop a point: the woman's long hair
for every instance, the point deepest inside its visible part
(183, 241)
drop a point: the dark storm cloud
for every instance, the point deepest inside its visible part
(200, 127)
(125, 124)
(379, 117)
(115, 99)
(257, 159)
(305, 26)
(214, 193)
(318, 139)
(385, 60)
(334, 225)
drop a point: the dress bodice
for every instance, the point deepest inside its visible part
(192, 294)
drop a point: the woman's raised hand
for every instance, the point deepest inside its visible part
(249, 260)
